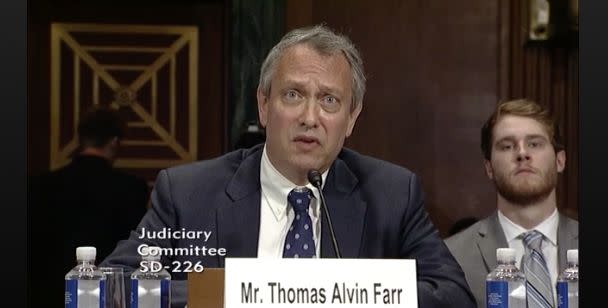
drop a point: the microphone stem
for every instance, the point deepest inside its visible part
(331, 227)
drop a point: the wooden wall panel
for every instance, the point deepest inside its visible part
(436, 69)
(432, 81)
(208, 16)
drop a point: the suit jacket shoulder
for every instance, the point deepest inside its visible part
(475, 247)
(475, 250)
(214, 177)
(459, 241)
(377, 179)
(569, 225)
(367, 167)
(567, 238)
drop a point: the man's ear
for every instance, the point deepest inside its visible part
(560, 160)
(353, 115)
(262, 107)
(489, 171)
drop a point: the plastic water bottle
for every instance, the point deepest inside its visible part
(567, 282)
(85, 284)
(506, 284)
(151, 283)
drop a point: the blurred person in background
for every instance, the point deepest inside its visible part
(96, 205)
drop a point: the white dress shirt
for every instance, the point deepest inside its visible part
(277, 215)
(548, 228)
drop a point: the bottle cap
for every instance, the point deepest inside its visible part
(151, 253)
(572, 256)
(86, 253)
(505, 255)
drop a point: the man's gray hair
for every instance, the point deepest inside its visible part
(326, 42)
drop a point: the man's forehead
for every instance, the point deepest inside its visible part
(511, 126)
(305, 51)
(300, 60)
(305, 47)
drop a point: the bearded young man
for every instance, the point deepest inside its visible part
(523, 157)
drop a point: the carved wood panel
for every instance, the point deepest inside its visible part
(148, 72)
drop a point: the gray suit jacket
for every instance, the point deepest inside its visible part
(475, 249)
(377, 210)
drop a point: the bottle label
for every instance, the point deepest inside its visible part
(562, 294)
(497, 294)
(134, 293)
(165, 291)
(92, 293)
(102, 291)
(71, 294)
(150, 293)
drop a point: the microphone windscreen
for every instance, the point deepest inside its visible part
(314, 177)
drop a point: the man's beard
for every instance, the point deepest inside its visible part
(526, 192)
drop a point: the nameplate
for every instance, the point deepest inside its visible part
(267, 282)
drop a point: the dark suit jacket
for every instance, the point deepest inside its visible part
(86, 203)
(475, 249)
(377, 210)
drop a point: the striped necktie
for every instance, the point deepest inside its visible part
(539, 291)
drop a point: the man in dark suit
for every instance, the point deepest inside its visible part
(96, 205)
(309, 97)
(523, 156)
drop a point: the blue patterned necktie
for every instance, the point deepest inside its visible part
(299, 242)
(539, 290)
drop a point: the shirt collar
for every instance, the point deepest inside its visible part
(276, 187)
(547, 227)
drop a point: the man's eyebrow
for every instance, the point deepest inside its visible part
(505, 138)
(331, 90)
(536, 136)
(527, 137)
(293, 83)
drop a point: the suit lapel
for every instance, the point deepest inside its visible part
(491, 237)
(346, 210)
(238, 222)
(567, 238)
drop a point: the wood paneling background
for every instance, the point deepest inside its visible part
(432, 81)
(435, 71)
(210, 18)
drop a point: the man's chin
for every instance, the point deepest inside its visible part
(307, 163)
(525, 195)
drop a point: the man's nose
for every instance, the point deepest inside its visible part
(310, 114)
(522, 153)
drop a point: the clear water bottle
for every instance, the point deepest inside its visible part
(151, 283)
(506, 284)
(567, 282)
(85, 284)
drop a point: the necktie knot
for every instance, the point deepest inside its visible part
(532, 239)
(299, 198)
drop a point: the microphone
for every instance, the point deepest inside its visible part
(314, 177)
